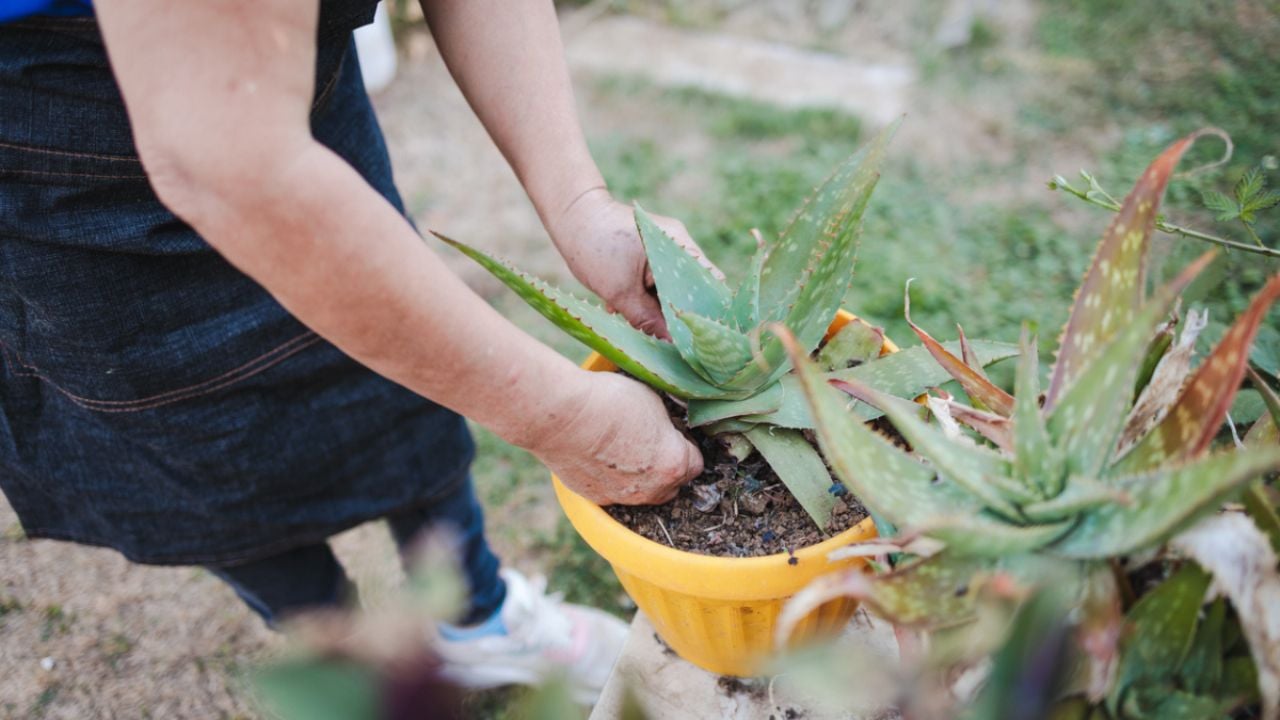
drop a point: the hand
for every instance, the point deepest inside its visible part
(598, 238)
(620, 446)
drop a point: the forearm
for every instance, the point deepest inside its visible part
(508, 59)
(218, 97)
(342, 260)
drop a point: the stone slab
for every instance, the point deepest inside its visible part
(669, 688)
(769, 72)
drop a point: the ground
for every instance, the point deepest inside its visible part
(998, 101)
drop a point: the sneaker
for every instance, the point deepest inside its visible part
(539, 637)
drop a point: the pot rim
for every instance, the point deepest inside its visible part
(711, 576)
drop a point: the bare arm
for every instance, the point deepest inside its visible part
(508, 58)
(218, 94)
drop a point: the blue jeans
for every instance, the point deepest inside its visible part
(311, 577)
(155, 400)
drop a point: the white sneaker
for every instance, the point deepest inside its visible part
(545, 638)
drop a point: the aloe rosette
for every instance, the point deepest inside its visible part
(733, 375)
(1112, 459)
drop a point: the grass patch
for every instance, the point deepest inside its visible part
(1165, 73)
(501, 469)
(988, 265)
(55, 622)
(114, 649)
(582, 575)
(42, 702)
(9, 605)
(1187, 62)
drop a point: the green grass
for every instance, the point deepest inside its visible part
(763, 161)
(582, 575)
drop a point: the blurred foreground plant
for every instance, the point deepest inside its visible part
(377, 664)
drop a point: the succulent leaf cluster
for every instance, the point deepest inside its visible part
(734, 376)
(1094, 468)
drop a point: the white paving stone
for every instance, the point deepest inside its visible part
(733, 65)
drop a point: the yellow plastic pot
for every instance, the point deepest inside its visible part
(719, 613)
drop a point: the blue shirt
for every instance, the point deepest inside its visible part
(14, 9)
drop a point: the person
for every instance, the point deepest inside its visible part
(223, 340)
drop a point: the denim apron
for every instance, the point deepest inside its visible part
(153, 399)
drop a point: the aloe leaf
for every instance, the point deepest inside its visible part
(1240, 678)
(1091, 413)
(799, 467)
(1164, 501)
(906, 373)
(1101, 620)
(1190, 425)
(1167, 703)
(932, 593)
(969, 466)
(1201, 671)
(966, 352)
(807, 274)
(975, 383)
(824, 226)
(1164, 385)
(1160, 629)
(648, 359)
(981, 535)
(1078, 495)
(707, 412)
(720, 350)
(909, 372)
(1114, 285)
(768, 362)
(321, 689)
(1269, 396)
(1257, 504)
(1263, 432)
(884, 478)
(1036, 462)
(852, 345)
(1156, 350)
(745, 307)
(728, 426)
(1027, 670)
(998, 430)
(683, 283)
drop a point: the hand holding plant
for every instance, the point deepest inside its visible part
(619, 445)
(598, 239)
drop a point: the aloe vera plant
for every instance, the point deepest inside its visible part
(1108, 464)
(1091, 472)
(734, 376)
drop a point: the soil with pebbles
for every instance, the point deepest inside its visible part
(734, 508)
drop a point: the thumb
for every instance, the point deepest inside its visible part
(689, 466)
(641, 309)
(693, 461)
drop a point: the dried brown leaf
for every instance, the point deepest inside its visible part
(1166, 383)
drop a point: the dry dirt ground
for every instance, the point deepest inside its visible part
(84, 634)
